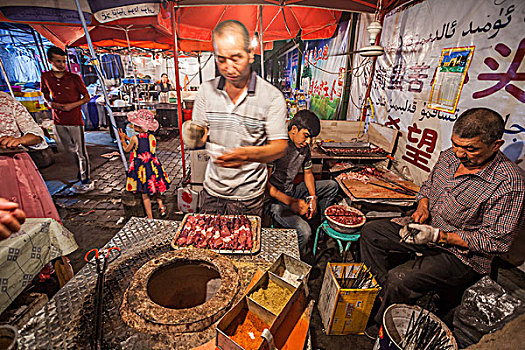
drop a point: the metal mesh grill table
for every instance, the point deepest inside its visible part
(66, 321)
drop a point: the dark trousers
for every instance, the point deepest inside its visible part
(215, 205)
(435, 269)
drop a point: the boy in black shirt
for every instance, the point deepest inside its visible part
(292, 205)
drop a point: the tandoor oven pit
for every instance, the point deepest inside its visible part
(179, 292)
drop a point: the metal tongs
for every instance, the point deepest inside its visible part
(101, 262)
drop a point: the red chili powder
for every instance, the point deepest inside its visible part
(251, 326)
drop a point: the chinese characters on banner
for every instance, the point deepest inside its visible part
(403, 77)
(325, 73)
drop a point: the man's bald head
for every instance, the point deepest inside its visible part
(482, 122)
(232, 27)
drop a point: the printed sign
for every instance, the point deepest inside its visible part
(453, 67)
(128, 11)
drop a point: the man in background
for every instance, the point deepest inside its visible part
(66, 92)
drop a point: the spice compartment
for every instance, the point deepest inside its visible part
(291, 270)
(225, 339)
(271, 292)
(233, 330)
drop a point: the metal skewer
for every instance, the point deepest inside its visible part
(393, 189)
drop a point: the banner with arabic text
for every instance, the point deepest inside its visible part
(413, 40)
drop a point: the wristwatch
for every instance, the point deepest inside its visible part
(443, 238)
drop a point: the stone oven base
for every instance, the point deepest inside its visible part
(139, 311)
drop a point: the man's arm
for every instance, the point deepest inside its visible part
(309, 181)
(298, 206)
(501, 222)
(70, 106)
(275, 149)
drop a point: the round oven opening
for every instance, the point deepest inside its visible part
(183, 285)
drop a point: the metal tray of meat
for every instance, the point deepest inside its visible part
(255, 223)
(329, 145)
(355, 152)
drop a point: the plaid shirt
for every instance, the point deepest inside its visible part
(484, 209)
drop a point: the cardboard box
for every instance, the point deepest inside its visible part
(344, 311)
(199, 162)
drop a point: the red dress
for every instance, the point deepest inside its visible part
(20, 180)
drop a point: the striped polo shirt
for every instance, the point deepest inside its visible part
(258, 116)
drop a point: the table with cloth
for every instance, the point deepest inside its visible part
(25, 253)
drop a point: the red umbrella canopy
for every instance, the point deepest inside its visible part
(195, 24)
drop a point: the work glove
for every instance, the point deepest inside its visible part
(419, 234)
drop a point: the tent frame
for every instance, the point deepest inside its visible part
(96, 64)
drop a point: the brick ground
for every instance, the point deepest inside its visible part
(96, 216)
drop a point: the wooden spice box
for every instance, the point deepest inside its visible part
(224, 340)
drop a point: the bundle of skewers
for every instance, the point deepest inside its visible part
(362, 279)
(397, 187)
(411, 233)
(424, 333)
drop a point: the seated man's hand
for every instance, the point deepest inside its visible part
(423, 234)
(11, 218)
(233, 159)
(421, 214)
(299, 206)
(9, 142)
(312, 208)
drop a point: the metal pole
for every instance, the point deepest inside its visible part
(6, 78)
(96, 64)
(200, 68)
(261, 38)
(42, 54)
(135, 94)
(43, 50)
(177, 87)
(67, 59)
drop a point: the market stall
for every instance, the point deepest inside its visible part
(227, 281)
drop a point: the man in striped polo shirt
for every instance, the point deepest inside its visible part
(245, 116)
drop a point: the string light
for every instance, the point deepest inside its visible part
(255, 41)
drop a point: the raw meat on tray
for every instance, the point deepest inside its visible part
(217, 232)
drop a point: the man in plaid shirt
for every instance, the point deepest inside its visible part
(469, 210)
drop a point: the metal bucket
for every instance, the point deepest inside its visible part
(395, 323)
(8, 337)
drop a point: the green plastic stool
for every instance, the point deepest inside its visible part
(338, 236)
